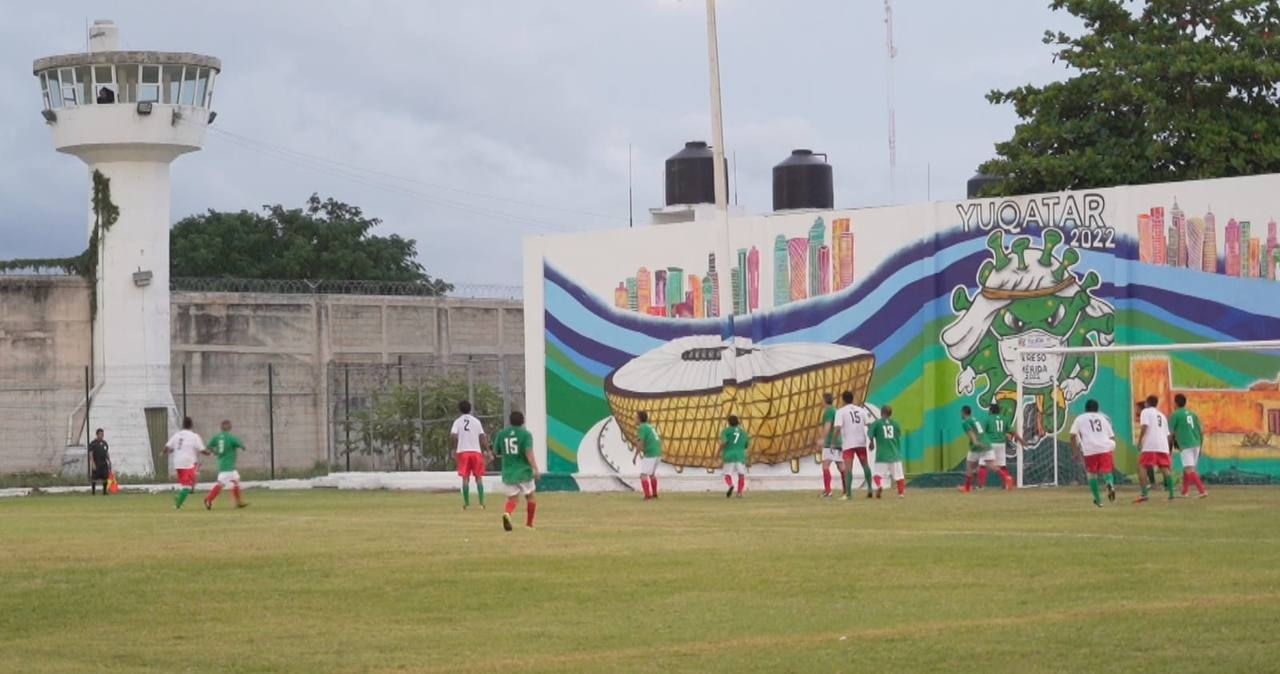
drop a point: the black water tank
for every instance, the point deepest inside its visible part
(978, 182)
(803, 181)
(691, 175)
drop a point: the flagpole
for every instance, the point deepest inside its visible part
(717, 121)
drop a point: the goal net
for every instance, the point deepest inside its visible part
(1233, 387)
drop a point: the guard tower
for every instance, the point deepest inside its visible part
(128, 115)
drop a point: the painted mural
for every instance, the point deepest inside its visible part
(693, 322)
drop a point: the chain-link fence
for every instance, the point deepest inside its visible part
(398, 416)
(295, 419)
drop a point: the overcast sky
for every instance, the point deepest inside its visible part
(530, 104)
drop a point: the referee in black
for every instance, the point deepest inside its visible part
(101, 463)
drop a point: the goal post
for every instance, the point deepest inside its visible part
(1232, 386)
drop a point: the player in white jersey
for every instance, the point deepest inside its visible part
(1093, 437)
(851, 421)
(184, 446)
(471, 447)
(1153, 441)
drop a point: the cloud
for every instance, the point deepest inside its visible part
(534, 103)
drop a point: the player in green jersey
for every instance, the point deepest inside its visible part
(651, 449)
(1188, 436)
(226, 447)
(979, 450)
(886, 441)
(829, 445)
(998, 431)
(734, 442)
(519, 468)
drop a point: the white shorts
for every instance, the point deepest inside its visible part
(1190, 457)
(1000, 453)
(734, 469)
(229, 478)
(891, 470)
(649, 466)
(519, 488)
(982, 457)
(829, 454)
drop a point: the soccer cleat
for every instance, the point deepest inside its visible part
(879, 492)
(826, 494)
(869, 494)
(739, 494)
(530, 527)
(729, 494)
(506, 521)
(1141, 499)
(1008, 484)
(964, 489)
(1098, 503)
(208, 505)
(242, 505)
(1111, 492)
(844, 497)
(1204, 494)
(902, 495)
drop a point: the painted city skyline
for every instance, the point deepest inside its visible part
(803, 267)
(1245, 250)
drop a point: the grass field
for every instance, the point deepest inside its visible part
(320, 581)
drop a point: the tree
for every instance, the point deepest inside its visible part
(404, 421)
(325, 240)
(1181, 90)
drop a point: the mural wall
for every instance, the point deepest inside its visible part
(920, 307)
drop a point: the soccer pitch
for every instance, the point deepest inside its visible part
(320, 581)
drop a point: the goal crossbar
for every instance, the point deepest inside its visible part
(1135, 348)
(1019, 351)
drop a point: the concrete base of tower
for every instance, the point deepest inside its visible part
(136, 423)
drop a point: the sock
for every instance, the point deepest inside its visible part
(182, 496)
(644, 485)
(968, 480)
(1168, 484)
(510, 507)
(1093, 487)
(742, 483)
(982, 476)
(1005, 476)
(866, 475)
(529, 508)
(1199, 483)
(466, 492)
(826, 479)
(213, 493)
(1145, 489)
(480, 490)
(728, 481)
(846, 481)
(653, 485)
(902, 487)
(93, 487)
(878, 486)
(235, 491)
(1111, 480)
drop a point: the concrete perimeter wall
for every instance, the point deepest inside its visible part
(225, 342)
(45, 340)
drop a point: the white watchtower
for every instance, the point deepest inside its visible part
(128, 114)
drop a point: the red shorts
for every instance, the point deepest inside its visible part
(1100, 464)
(470, 463)
(187, 477)
(1154, 459)
(860, 452)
